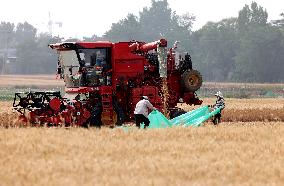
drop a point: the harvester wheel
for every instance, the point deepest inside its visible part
(191, 80)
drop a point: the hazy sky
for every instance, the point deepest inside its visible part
(88, 17)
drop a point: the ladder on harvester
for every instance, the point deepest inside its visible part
(108, 114)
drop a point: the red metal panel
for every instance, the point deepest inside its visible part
(137, 92)
(122, 50)
(128, 66)
(98, 44)
(145, 47)
(125, 62)
(150, 91)
(105, 89)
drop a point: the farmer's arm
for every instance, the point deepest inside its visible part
(149, 105)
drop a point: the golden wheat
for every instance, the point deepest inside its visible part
(243, 110)
(6, 106)
(243, 104)
(242, 85)
(233, 153)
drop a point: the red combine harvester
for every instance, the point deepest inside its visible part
(104, 81)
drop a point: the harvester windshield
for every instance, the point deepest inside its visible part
(87, 67)
(69, 62)
(93, 57)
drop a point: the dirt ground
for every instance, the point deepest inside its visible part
(29, 80)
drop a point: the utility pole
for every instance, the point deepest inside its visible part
(51, 23)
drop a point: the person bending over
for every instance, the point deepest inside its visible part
(141, 111)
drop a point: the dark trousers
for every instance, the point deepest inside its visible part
(140, 118)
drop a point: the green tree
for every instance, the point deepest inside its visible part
(214, 49)
(258, 57)
(154, 22)
(7, 35)
(160, 21)
(125, 30)
(279, 23)
(25, 36)
(45, 59)
(251, 16)
(25, 32)
(6, 41)
(34, 56)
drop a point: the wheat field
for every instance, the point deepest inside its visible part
(245, 149)
(237, 110)
(235, 154)
(248, 110)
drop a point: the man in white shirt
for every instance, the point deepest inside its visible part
(141, 111)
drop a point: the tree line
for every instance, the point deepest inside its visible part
(246, 48)
(32, 54)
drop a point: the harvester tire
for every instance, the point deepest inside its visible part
(191, 80)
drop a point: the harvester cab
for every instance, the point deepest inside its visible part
(84, 67)
(104, 81)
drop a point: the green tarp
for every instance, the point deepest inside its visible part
(158, 120)
(189, 116)
(194, 118)
(199, 120)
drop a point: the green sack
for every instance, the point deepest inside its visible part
(158, 120)
(198, 121)
(189, 116)
(194, 118)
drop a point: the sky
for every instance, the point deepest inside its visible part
(89, 17)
